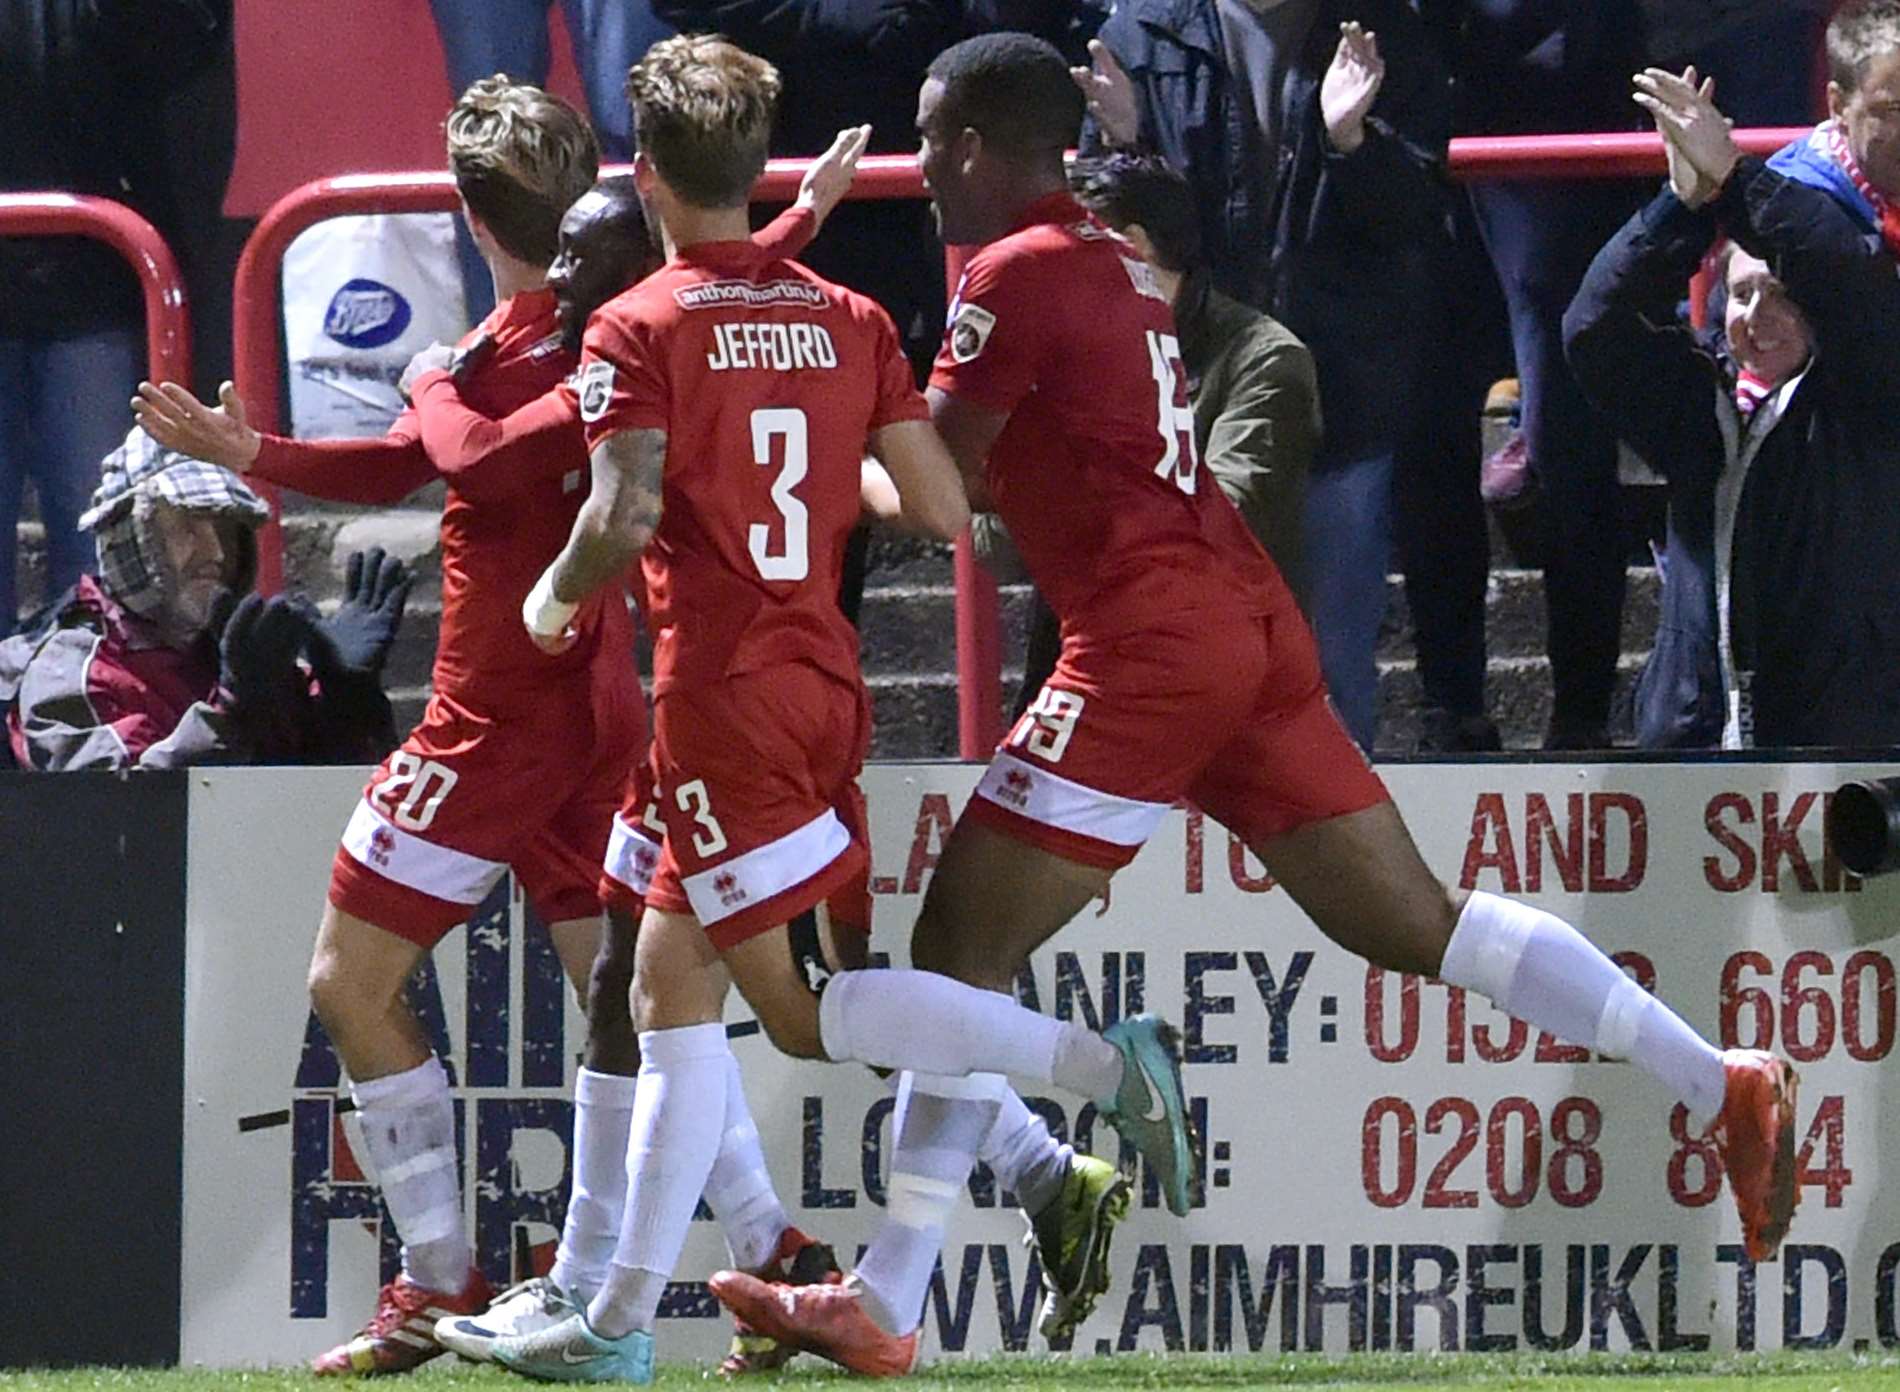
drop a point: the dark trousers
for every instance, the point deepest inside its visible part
(1443, 545)
(1541, 237)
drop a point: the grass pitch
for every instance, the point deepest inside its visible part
(1357, 1373)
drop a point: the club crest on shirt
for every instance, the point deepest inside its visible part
(595, 389)
(970, 332)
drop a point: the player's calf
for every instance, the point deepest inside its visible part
(612, 1045)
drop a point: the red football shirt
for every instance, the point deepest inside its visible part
(503, 518)
(491, 556)
(1062, 326)
(768, 382)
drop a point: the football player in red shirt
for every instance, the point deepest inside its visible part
(517, 763)
(739, 1189)
(729, 400)
(1186, 672)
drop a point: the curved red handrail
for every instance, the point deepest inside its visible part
(1628, 154)
(167, 314)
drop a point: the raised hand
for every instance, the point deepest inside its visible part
(829, 178)
(1693, 130)
(1111, 96)
(1350, 86)
(258, 651)
(355, 640)
(175, 418)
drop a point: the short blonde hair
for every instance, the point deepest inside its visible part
(702, 112)
(520, 157)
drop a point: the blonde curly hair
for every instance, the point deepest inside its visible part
(702, 112)
(520, 157)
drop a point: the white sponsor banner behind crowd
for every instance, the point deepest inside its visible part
(1389, 1165)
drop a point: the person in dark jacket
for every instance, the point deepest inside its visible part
(84, 99)
(158, 664)
(1313, 133)
(1795, 458)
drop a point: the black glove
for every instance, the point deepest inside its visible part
(354, 642)
(259, 659)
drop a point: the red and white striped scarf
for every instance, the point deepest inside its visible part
(1751, 391)
(1884, 209)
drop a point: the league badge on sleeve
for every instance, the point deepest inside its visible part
(970, 332)
(596, 389)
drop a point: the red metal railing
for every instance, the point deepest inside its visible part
(167, 317)
(979, 646)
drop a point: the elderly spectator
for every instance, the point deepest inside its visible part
(1313, 134)
(1786, 458)
(156, 664)
(1256, 404)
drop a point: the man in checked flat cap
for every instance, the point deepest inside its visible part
(166, 659)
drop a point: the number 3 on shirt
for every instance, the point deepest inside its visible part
(794, 562)
(1179, 462)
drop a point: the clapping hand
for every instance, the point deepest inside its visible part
(354, 642)
(1350, 86)
(1696, 136)
(1110, 95)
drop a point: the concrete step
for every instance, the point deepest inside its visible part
(318, 543)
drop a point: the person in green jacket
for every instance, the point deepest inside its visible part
(1256, 400)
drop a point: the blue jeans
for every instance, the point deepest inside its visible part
(484, 37)
(62, 410)
(1348, 551)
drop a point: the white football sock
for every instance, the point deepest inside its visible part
(940, 1124)
(1537, 967)
(679, 1111)
(928, 1023)
(408, 1130)
(1023, 1156)
(603, 1116)
(740, 1191)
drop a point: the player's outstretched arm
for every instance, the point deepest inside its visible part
(375, 471)
(614, 525)
(921, 491)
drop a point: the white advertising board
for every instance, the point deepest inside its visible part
(1389, 1165)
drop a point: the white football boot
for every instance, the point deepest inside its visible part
(523, 1309)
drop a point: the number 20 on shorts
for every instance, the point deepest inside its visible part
(428, 783)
